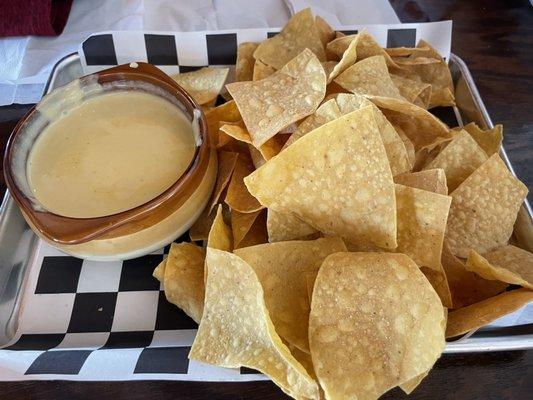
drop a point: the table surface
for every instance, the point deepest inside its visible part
(495, 39)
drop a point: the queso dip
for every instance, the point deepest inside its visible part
(110, 153)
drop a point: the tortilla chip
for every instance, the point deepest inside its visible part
(239, 132)
(300, 33)
(466, 287)
(480, 314)
(303, 358)
(200, 228)
(369, 77)
(406, 51)
(489, 140)
(310, 278)
(226, 165)
(419, 125)
(261, 71)
(203, 85)
(421, 222)
(409, 147)
(159, 271)
(414, 91)
(184, 278)
(329, 66)
(337, 179)
(459, 159)
(432, 180)
(438, 280)
(282, 227)
(484, 209)
(236, 329)
(363, 340)
(327, 111)
(220, 236)
(394, 146)
(238, 197)
(241, 223)
(347, 60)
(280, 268)
(257, 234)
(225, 112)
(366, 47)
(294, 92)
(257, 158)
(506, 264)
(244, 66)
(409, 386)
(325, 32)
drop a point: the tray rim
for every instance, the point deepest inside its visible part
(469, 343)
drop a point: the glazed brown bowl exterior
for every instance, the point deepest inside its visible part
(70, 231)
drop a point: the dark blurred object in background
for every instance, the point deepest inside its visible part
(33, 17)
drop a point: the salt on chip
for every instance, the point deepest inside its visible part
(236, 329)
(421, 223)
(261, 71)
(459, 159)
(432, 180)
(369, 77)
(418, 124)
(393, 143)
(294, 92)
(237, 196)
(280, 268)
(509, 264)
(484, 209)
(337, 179)
(489, 140)
(184, 278)
(480, 314)
(239, 132)
(257, 234)
(244, 65)
(282, 227)
(375, 323)
(466, 287)
(203, 85)
(226, 165)
(327, 111)
(241, 223)
(414, 91)
(299, 33)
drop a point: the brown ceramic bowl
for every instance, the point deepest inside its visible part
(73, 234)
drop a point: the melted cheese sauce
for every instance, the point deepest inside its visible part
(109, 154)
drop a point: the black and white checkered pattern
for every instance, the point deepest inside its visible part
(86, 320)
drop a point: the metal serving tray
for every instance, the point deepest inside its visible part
(18, 243)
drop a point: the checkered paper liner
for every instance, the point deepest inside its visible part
(86, 320)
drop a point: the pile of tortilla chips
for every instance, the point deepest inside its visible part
(350, 231)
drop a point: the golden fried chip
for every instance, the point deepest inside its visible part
(280, 268)
(466, 287)
(200, 228)
(366, 47)
(419, 125)
(257, 158)
(489, 140)
(484, 209)
(261, 71)
(325, 32)
(394, 146)
(432, 180)
(220, 236)
(409, 147)
(421, 223)
(329, 66)
(269, 105)
(299, 33)
(184, 278)
(369, 77)
(363, 339)
(337, 179)
(244, 65)
(303, 358)
(437, 278)
(241, 223)
(238, 197)
(203, 85)
(159, 271)
(239, 132)
(347, 60)
(225, 112)
(282, 227)
(226, 165)
(459, 159)
(257, 234)
(327, 111)
(414, 91)
(405, 51)
(236, 329)
(409, 386)
(508, 264)
(480, 314)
